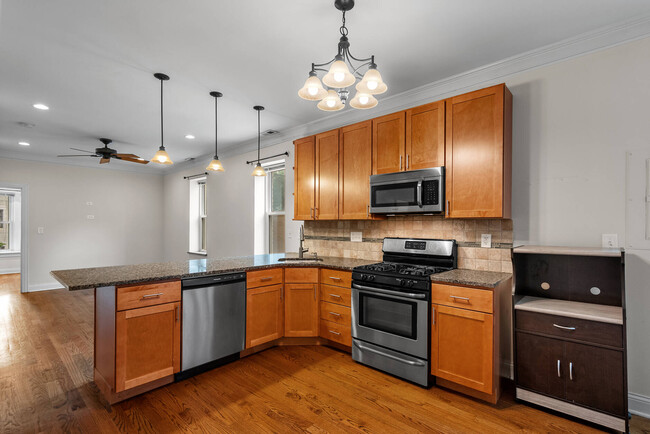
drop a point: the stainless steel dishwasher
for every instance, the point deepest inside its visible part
(214, 321)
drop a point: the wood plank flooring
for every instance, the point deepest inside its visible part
(46, 350)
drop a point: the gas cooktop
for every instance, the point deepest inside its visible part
(403, 269)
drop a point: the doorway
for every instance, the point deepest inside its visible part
(13, 235)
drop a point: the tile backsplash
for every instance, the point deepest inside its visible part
(332, 238)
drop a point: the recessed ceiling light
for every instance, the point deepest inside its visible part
(189, 136)
(23, 143)
(41, 106)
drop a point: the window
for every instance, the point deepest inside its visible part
(198, 215)
(6, 204)
(275, 206)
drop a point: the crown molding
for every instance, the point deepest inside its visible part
(494, 73)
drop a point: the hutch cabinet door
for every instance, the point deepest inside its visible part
(541, 364)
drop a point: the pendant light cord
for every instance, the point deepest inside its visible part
(216, 153)
(162, 137)
(258, 137)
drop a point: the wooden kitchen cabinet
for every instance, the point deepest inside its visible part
(355, 168)
(478, 154)
(425, 136)
(304, 178)
(335, 301)
(264, 314)
(327, 176)
(301, 302)
(388, 139)
(148, 345)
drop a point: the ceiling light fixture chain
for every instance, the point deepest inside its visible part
(259, 170)
(161, 156)
(215, 165)
(343, 72)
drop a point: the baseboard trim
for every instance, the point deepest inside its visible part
(639, 404)
(10, 270)
(44, 287)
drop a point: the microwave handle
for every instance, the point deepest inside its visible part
(419, 193)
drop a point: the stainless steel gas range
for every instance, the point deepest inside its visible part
(391, 306)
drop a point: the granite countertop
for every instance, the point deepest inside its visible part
(485, 279)
(85, 278)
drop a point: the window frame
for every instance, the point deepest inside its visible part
(8, 222)
(272, 167)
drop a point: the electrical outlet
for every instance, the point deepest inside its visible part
(356, 237)
(486, 240)
(40, 230)
(90, 217)
(610, 241)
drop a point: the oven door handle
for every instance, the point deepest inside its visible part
(419, 193)
(388, 356)
(389, 292)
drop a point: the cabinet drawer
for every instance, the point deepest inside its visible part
(335, 313)
(335, 294)
(570, 328)
(462, 297)
(301, 275)
(151, 294)
(336, 278)
(336, 332)
(266, 277)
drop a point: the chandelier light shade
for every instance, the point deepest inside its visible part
(313, 89)
(215, 165)
(259, 170)
(342, 72)
(161, 156)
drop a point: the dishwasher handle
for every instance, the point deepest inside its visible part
(213, 280)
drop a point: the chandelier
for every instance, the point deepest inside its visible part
(344, 71)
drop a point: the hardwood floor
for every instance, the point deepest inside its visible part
(46, 352)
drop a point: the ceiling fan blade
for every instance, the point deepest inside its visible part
(132, 160)
(104, 160)
(128, 156)
(82, 150)
(77, 155)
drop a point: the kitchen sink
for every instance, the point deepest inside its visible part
(300, 259)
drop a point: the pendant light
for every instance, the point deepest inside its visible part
(259, 170)
(215, 164)
(161, 157)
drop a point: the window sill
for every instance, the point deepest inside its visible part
(198, 253)
(9, 253)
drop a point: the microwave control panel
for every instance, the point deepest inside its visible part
(430, 192)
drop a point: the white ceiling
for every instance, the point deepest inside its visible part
(92, 62)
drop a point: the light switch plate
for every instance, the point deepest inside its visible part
(610, 241)
(90, 217)
(486, 240)
(40, 230)
(356, 237)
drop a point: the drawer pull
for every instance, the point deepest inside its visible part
(571, 371)
(151, 295)
(265, 279)
(564, 327)
(333, 332)
(338, 279)
(335, 314)
(558, 369)
(336, 296)
(455, 297)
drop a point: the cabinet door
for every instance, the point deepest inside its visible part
(425, 136)
(355, 168)
(264, 314)
(388, 137)
(462, 347)
(327, 176)
(304, 169)
(541, 364)
(477, 155)
(301, 310)
(595, 378)
(147, 345)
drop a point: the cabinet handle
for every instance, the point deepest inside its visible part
(176, 312)
(407, 161)
(265, 279)
(281, 293)
(571, 371)
(335, 296)
(433, 315)
(315, 213)
(335, 314)
(558, 369)
(334, 333)
(455, 297)
(564, 327)
(448, 206)
(311, 213)
(400, 162)
(368, 211)
(151, 295)
(314, 292)
(338, 279)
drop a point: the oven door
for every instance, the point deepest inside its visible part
(392, 319)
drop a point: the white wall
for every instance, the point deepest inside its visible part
(230, 207)
(126, 229)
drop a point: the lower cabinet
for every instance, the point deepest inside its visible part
(264, 314)
(148, 345)
(301, 310)
(335, 301)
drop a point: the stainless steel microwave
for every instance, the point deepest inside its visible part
(415, 191)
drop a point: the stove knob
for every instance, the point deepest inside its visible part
(402, 282)
(371, 277)
(364, 277)
(410, 283)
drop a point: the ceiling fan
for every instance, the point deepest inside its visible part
(107, 153)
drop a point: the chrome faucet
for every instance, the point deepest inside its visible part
(301, 250)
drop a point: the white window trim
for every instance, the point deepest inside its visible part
(196, 216)
(272, 166)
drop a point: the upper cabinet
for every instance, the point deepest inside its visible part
(478, 152)
(327, 176)
(388, 154)
(304, 174)
(355, 168)
(425, 136)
